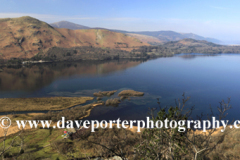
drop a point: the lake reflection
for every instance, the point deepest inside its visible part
(34, 77)
(207, 79)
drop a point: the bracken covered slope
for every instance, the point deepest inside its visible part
(24, 37)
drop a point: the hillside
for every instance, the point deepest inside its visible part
(148, 39)
(68, 25)
(24, 37)
(167, 36)
(187, 46)
(151, 37)
(191, 42)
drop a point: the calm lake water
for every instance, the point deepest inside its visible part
(206, 79)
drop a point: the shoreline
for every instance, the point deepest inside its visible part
(5, 64)
(40, 104)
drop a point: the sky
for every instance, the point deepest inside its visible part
(218, 19)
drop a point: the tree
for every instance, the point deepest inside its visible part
(169, 143)
(164, 143)
(201, 143)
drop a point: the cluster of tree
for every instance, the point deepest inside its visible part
(86, 53)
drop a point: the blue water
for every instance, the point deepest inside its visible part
(206, 79)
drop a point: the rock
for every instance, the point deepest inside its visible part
(130, 93)
(99, 98)
(112, 102)
(104, 93)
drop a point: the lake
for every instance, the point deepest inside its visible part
(206, 79)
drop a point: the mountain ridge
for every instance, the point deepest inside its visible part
(162, 36)
(167, 36)
(24, 37)
(68, 25)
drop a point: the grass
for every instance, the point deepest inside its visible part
(36, 144)
(39, 104)
(39, 143)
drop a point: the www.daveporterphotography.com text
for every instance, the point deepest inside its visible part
(181, 125)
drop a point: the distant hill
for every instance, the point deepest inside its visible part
(24, 37)
(68, 25)
(148, 39)
(187, 46)
(188, 42)
(166, 36)
(162, 36)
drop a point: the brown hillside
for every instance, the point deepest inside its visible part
(98, 38)
(147, 39)
(24, 37)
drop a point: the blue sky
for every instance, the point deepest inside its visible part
(217, 18)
